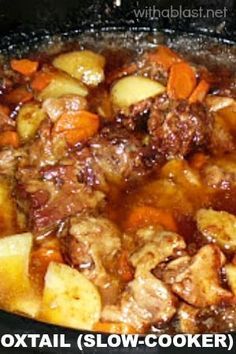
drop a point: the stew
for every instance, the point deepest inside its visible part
(118, 189)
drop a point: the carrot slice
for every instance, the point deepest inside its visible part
(125, 268)
(41, 80)
(234, 260)
(164, 56)
(198, 160)
(9, 138)
(200, 92)
(142, 216)
(182, 81)
(44, 256)
(5, 110)
(77, 127)
(19, 95)
(24, 66)
(114, 327)
(41, 257)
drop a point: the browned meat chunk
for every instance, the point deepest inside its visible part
(196, 280)
(90, 241)
(147, 301)
(119, 154)
(218, 227)
(155, 246)
(220, 173)
(217, 177)
(78, 198)
(221, 140)
(217, 319)
(114, 156)
(48, 185)
(175, 267)
(138, 116)
(45, 149)
(59, 196)
(41, 150)
(187, 316)
(91, 246)
(8, 161)
(177, 127)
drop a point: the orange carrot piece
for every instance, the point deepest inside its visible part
(19, 95)
(114, 327)
(200, 92)
(182, 81)
(142, 216)
(5, 110)
(234, 260)
(41, 80)
(25, 67)
(77, 127)
(198, 160)
(164, 56)
(125, 269)
(9, 138)
(40, 258)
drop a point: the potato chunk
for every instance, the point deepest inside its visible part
(229, 116)
(28, 304)
(69, 298)
(133, 89)
(7, 209)
(231, 276)
(219, 226)
(28, 121)
(17, 294)
(85, 66)
(216, 103)
(14, 260)
(62, 85)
